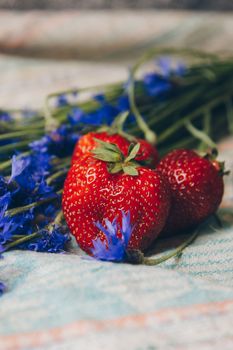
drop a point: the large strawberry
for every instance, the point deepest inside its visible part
(104, 188)
(196, 188)
(147, 153)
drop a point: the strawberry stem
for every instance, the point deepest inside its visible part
(176, 253)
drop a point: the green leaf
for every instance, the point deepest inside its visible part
(108, 146)
(106, 155)
(133, 152)
(130, 170)
(131, 146)
(115, 168)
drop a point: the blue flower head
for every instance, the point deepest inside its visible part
(76, 116)
(5, 117)
(158, 83)
(4, 203)
(100, 98)
(114, 249)
(59, 142)
(18, 165)
(105, 114)
(3, 186)
(167, 68)
(49, 241)
(2, 288)
(62, 101)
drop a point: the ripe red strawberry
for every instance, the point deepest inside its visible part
(93, 194)
(87, 143)
(196, 188)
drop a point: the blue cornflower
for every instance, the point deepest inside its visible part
(158, 83)
(21, 175)
(7, 228)
(100, 98)
(4, 203)
(3, 186)
(44, 190)
(59, 142)
(114, 249)
(5, 117)
(167, 69)
(40, 145)
(77, 116)
(105, 114)
(40, 164)
(2, 288)
(18, 165)
(155, 84)
(62, 101)
(123, 104)
(31, 179)
(49, 241)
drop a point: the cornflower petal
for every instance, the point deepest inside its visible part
(115, 244)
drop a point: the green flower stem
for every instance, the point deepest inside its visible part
(25, 238)
(156, 116)
(19, 210)
(176, 253)
(183, 143)
(61, 163)
(111, 92)
(201, 135)
(150, 136)
(58, 219)
(114, 86)
(55, 176)
(17, 237)
(173, 110)
(196, 113)
(21, 133)
(14, 146)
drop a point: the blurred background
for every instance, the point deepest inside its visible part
(50, 45)
(114, 4)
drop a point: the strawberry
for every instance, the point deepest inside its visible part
(196, 188)
(87, 143)
(102, 189)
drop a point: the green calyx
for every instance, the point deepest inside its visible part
(117, 162)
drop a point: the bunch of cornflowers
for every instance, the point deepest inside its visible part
(171, 105)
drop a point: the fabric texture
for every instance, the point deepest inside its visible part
(67, 302)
